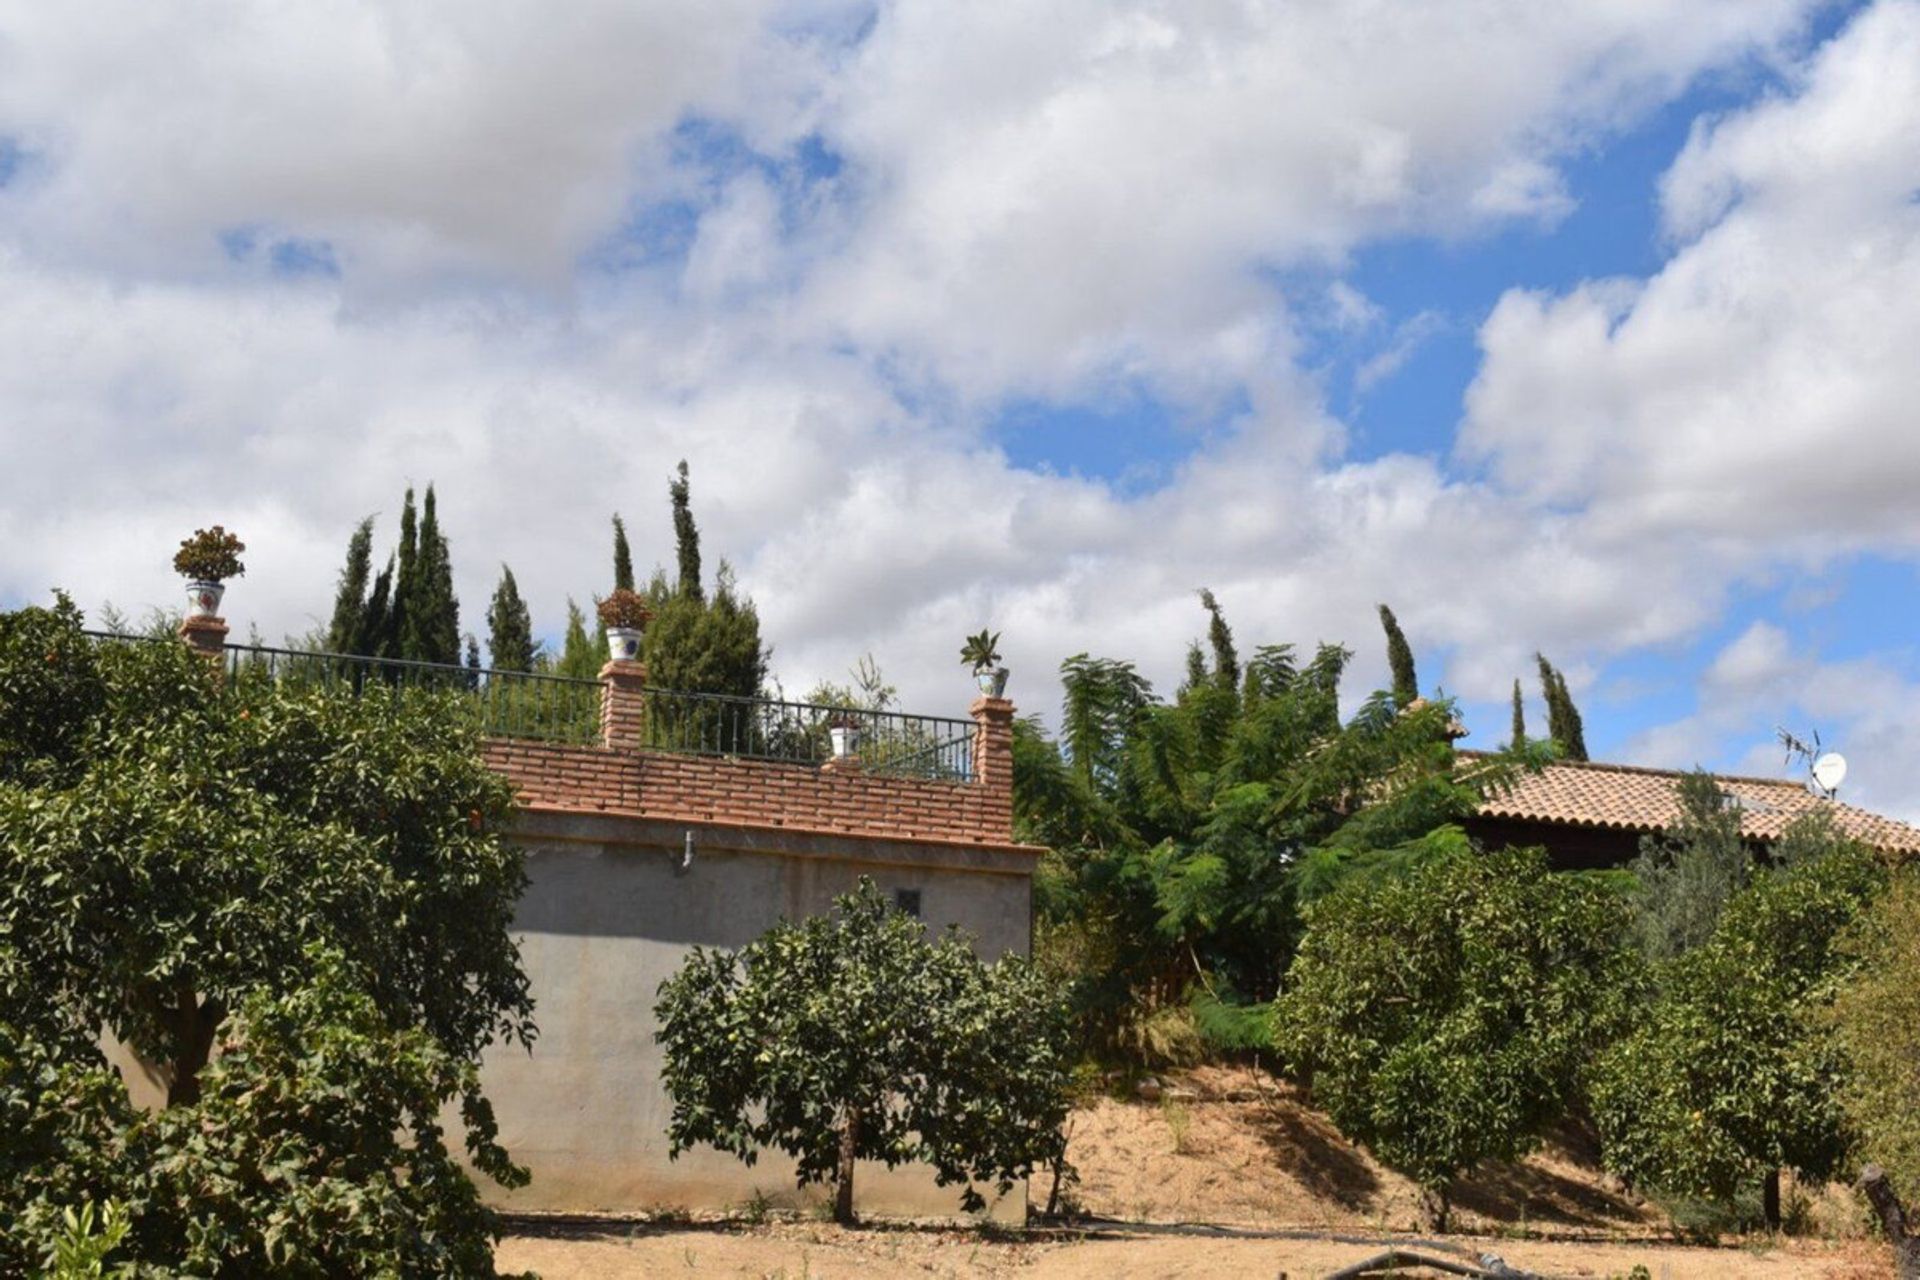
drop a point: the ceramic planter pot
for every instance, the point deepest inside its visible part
(846, 739)
(203, 599)
(992, 683)
(623, 643)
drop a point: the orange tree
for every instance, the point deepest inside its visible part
(191, 863)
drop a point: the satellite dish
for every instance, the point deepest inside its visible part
(1830, 770)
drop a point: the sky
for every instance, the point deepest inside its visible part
(1591, 330)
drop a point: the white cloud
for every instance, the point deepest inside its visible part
(1031, 202)
(1759, 388)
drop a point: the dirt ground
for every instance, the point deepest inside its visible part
(1235, 1150)
(821, 1252)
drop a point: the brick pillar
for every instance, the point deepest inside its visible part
(205, 636)
(993, 761)
(623, 705)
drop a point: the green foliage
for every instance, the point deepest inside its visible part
(1443, 1016)
(697, 645)
(510, 627)
(288, 1163)
(210, 555)
(50, 688)
(1187, 837)
(982, 650)
(686, 536)
(854, 1034)
(1876, 1020)
(1686, 877)
(1406, 685)
(1729, 1073)
(350, 600)
(1517, 734)
(411, 611)
(86, 1241)
(582, 652)
(622, 556)
(1564, 727)
(177, 848)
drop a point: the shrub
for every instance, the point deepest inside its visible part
(625, 608)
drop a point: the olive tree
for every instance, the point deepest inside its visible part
(175, 846)
(1442, 1016)
(855, 1036)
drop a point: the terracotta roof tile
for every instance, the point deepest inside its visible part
(1631, 798)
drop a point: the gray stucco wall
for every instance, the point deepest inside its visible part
(609, 914)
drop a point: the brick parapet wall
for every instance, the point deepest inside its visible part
(657, 784)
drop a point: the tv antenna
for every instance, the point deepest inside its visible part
(1827, 769)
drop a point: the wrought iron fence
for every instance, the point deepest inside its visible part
(521, 704)
(886, 742)
(508, 704)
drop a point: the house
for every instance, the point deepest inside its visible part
(656, 822)
(1589, 815)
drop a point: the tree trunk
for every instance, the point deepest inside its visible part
(1770, 1200)
(194, 1026)
(1893, 1220)
(1434, 1207)
(843, 1192)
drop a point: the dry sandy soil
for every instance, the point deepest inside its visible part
(1229, 1148)
(821, 1252)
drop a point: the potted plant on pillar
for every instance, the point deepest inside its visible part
(982, 653)
(206, 561)
(624, 614)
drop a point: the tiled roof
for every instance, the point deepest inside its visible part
(1629, 798)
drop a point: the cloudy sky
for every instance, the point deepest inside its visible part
(1592, 329)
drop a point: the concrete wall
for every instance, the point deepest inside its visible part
(609, 914)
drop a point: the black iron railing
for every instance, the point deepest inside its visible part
(523, 704)
(887, 742)
(508, 704)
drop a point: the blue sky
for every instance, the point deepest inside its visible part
(1578, 329)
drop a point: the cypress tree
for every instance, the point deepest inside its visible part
(1564, 726)
(350, 601)
(686, 536)
(375, 637)
(396, 639)
(1406, 685)
(433, 613)
(622, 557)
(1226, 660)
(1519, 716)
(510, 627)
(582, 654)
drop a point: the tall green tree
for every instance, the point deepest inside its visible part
(432, 615)
(510, 627)
(350, 600)
(1406, 684)
(180, 855)
(1875, 1018)
(398, 640)
(1444, 1016)
(1186, 836)
(686, 535)
(622, 556)
(375, 637)
(1731, 1075)
(582, 652)
(1564, 726)
(854, 1036)
(1518, 733)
